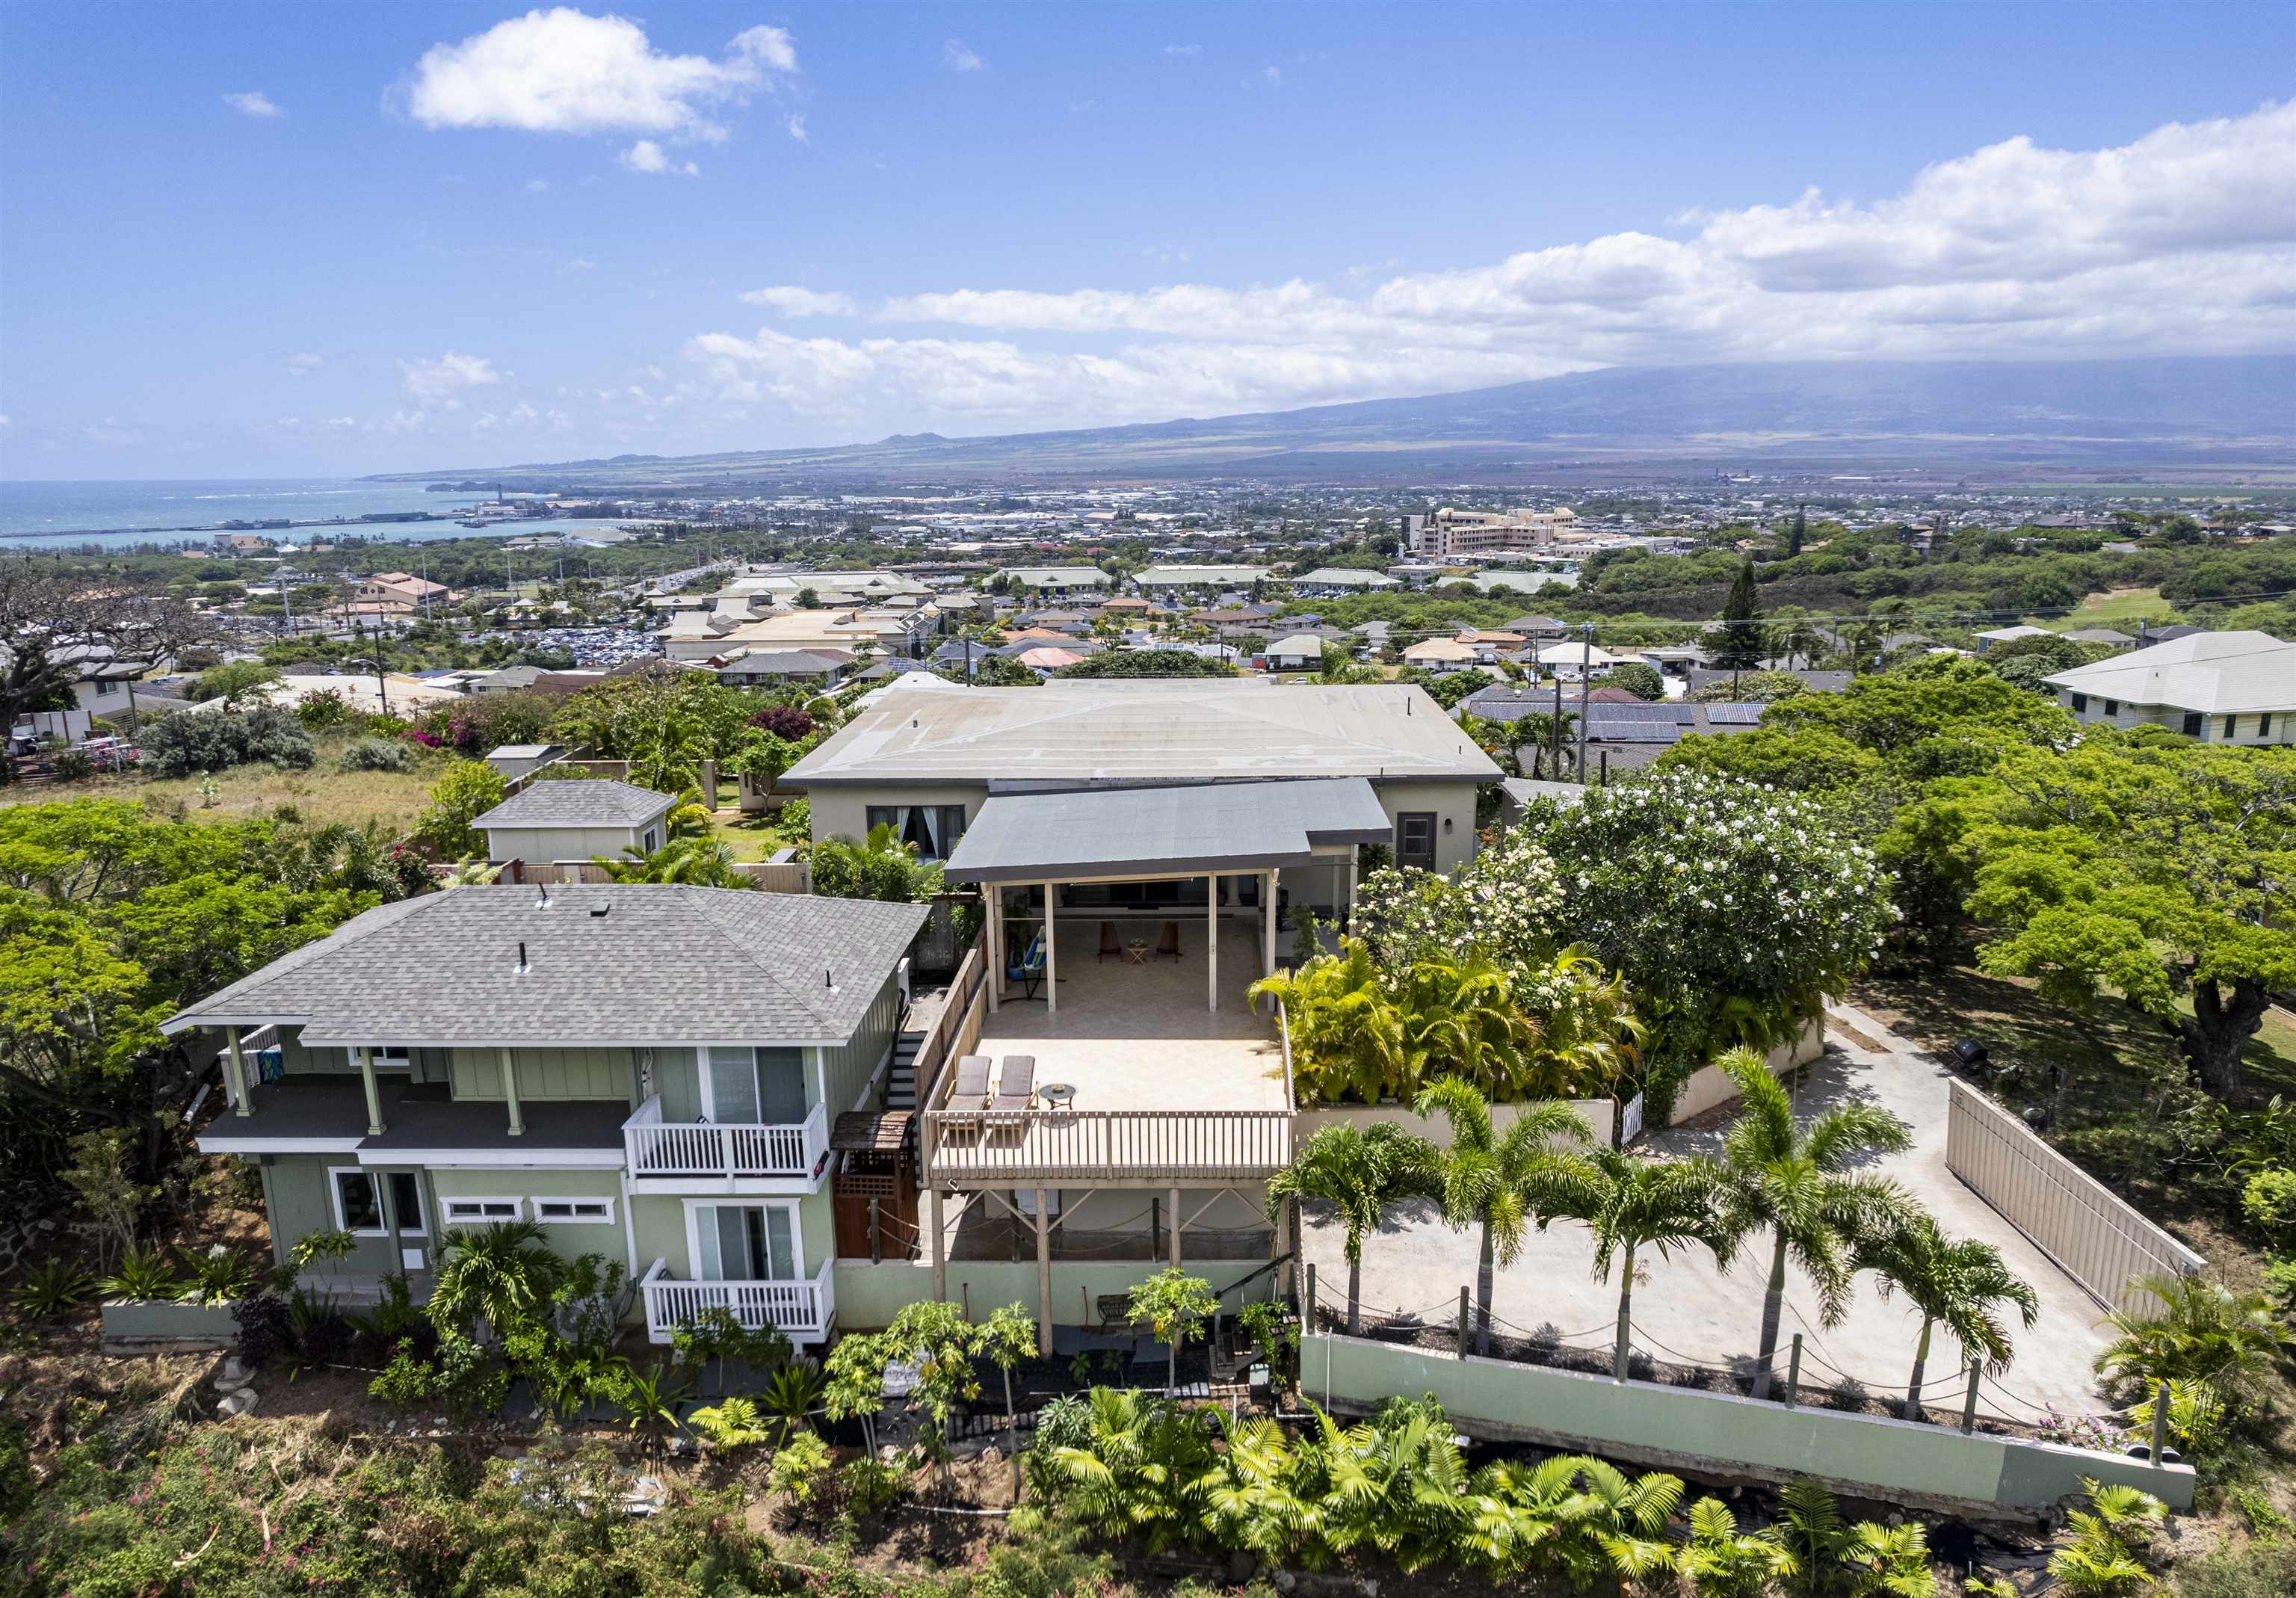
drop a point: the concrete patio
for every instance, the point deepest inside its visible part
(1687, 1312)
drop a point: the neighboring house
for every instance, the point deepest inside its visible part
(689, 637)
(1439, 654)
(1572, 662)
(649, 1072)
(783, 667)
(2104, 635)
(1047, 658)
(1816, 682)
(928, 763)
(1489, 646)
(2237, 688)
(557, 819)
(514, 760)
(404, 589)
(1332, 582)
(1168, 582)
(1987, 640)
(1301, 651)
(1062, 580)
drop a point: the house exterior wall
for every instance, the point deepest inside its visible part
(1453, 805)
(659, 1224)
(570, 1240)
(301, 1202)
(847, 1070)
(840, 811)
(568, 843)
(546, 1074)
(2249, 731)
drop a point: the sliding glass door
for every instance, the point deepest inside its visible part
(750, 1087)
(745, 1242)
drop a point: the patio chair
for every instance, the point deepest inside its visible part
(1168, 947)
(970, 1091)
(1110, 946)
(1029, 969)
(1016, 1090)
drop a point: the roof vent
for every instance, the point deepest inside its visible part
(599, 911)
(522, 966)
(829, 980)
(542, 890)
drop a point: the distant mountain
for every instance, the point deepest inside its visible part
(2214, 413)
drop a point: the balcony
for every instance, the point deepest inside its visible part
(670, 1152)
(802, 1310)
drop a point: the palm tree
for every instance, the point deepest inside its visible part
(1359, 1172)
(1962, 1284)
(1631, 1204)
(697, 861)
(1494, 1181)
(2202, 1331)
(1461, 1014)
(504, 1271)
(1346, 1033)
(1788, 1180)
(1589, 1038)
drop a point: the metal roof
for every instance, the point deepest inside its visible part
(2210, 672)
(577, 802)
(1182, 830)
(621, 964)
(1173, 730)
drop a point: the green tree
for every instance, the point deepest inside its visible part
(698, 862)
(1961, 1285)
(1008, 1337)
(880, 867)
(1496, 1181)
(1359, 1172)
(1789, 1181)
(1741, 647)
(1632, 1204)
(1642, 681)
(2195, 1331)
(1173, 1306)
(234, 683)
(1796, 533)
(464, 792)
(1346, 1032)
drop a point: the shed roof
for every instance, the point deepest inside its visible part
(577, 803)
(622, 964)
(1176, 830)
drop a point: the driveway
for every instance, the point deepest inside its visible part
(1688, 1312)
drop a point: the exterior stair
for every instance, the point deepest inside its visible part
(901, 1081)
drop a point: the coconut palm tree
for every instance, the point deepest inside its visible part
(1359, 1172)
(697, 861)
(1493, 1180)
(1789, 1180)
(1962, 1285)
(1632, 1204)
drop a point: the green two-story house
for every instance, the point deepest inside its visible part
(647, 1071)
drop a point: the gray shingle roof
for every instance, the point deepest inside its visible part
(597, 803)
(606, 964)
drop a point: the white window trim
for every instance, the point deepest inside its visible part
(335, 1199)
(606, 1219)
(449, 1218)
(384, 1180)
(694, 1207)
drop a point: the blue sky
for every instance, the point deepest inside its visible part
(313, 238)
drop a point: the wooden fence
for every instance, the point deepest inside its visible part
(2094, 1237)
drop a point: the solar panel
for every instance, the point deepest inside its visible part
(1633, 732)
(1735, 716)
(1609, 711)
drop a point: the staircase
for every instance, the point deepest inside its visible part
(901, 1080)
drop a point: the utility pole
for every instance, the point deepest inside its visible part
(1585, 677)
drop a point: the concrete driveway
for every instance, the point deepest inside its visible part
(1688, 1312)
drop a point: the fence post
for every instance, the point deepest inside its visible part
(2159, 1421)
(1308, 1312)
(1968, 1399)
(876, 1232)
(1463, 1323)
(1793, 1373)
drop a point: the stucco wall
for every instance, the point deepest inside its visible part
(1896, 1461)
(1454, 806)
(840, 811)
(1707, 1088)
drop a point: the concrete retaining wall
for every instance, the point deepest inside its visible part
(1707, 1088)
(1598, 1113)
(1900, 1462)
(160, 1321)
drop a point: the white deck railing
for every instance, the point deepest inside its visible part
(657, 1148)
(802, 1309)
(1111, 1145)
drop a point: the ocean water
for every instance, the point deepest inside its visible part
(33, 513)
(49, 515)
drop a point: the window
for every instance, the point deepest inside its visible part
(2264, 724)
(2080, 704)
(2232, 726)
(2194, 724)
(754, 1087)
(1414, 839)
(649, 842)
(934, 829)
(2111, 708)
(358, 1205)
(392, 1057)
(574, 1211)
(474, 1212)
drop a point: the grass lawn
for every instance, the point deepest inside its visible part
(750, 836)
(322, 795)
(2119, 608)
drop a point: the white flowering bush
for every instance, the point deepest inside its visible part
(1701, 891)
(1501, 904)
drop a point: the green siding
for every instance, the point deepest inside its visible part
(847, 1069)
(300, 1206)
(677, 1078)
(545, 1073)
(660, 1224)
(501, 1182)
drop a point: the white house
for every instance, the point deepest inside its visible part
(552, 821)
(2221, 687)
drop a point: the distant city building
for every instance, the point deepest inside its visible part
(1451, 532)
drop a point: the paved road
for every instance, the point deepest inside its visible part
(1686, 1304)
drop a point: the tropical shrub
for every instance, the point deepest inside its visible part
(143, 1274)
(880, 866)
(193, 740)
(466, 790)
(50, 1287)
(801, 1467)
(220, 1275)
(376, 754)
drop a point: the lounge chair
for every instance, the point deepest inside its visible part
(970, 1091)
(1016, 1090)
(1111, 948)
(1029, 969)
(1168, 947)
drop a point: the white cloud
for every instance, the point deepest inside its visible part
(1273, 76)
(339, 424)
(538, 186)
(796, 125)
(581, 264)
(2182, 242)
(646, 156)
(958, 56)
(304, 362)
(563, 71)
(1183, 49)
(442, 382)
(792, 301)
(254, 102)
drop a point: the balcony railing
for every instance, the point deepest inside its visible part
(670, 1149)
(801, 1310)
(1120, 1146)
